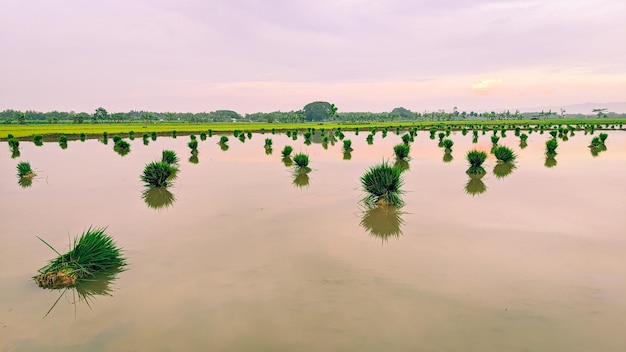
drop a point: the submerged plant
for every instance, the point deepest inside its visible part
(157, 174)
(504, 154)
(476, 159)
(382, 184)
(402, 151)
(92, 253)
(286, 151)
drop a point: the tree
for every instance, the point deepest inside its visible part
(332, 112)
(99, 115)
(600, 112)
(21, 118)
(317, 111)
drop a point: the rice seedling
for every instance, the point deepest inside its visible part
(347, 145)
(169, 157)
(475, 185)
(401, 151)
(209, 133)
(202, 136)
(122, 147)
(105, 135)
(131, 135)
(384, 133)
(193, 145)
(503, 133)
(370, 139)
(301, 160)
(382, 184)
(38, 140)
(82, 137)
(223, 139)
(441, 136)
(24, 170)
(464, 131)
(517, 131)
(10, 136)
(242, 138)
(406, 139)
(447, 144)
(192, 137)
(432, 132)
(504, 154)
(475, 139)
(553, 133)
(503, 169)
(158, 197)
(447, 157)
(595, 142)
(495, 139)
(249, 135)
(116, 138)
(551, 145)
(382, 221)
(174, 134)
(157, 174)
(286, 151)
(475, 133)
(356, 131)
(603, 137)
(523, 137)
(153, 136)
(92, 252)
(476, 159)
(268, 142)
(13, 143)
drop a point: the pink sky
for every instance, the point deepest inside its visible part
(362, 55)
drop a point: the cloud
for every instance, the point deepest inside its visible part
(486, 86)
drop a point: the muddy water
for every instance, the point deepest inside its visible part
(244, 260)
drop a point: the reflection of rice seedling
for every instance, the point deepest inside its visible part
(402, 151)
(286, 151)
(504, 154)
(447, 144)
(476, 159)
(495, 139)
(347, 155)
(169, 157)
(347, 145)
(383, 221)
(157, 174)
(158, 197)
(301, 178)
(475, 186)
(402, 164)
(550, 160)
(503, 169)
(447, 157)
(24, 170)
(287, 161)
(301, 160)
(475, 139)
(551, 145)
(382, 184)
(38, 140)
(92, 253)
(194, 158)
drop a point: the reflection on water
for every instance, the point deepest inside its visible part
(596, 150)
(25, 182)
(503, 169)
(15, 153)
(287, 161)
(158, 197)
(194, 158)
(447, 157)
(347, 155)
(402, 164)
(475, 185)
(550, 161)
(223, 146)
(85, 291)
(301, 177)
(382, 221)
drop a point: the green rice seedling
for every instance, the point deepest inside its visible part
(347, 145)
(192, 137)
(236, 133)
(553, 133)
(169, 157)
(503, 169)
(174, 134)
(447, 157)
(153, 136)
(595, 142)
(447, 144)
(384, 133)
(464, 131)
(382, 221)
(475, 185)
(92, 253)
(517, 131)
(523, 137)
(301, 160)
(356, 131)
(116, 138)
(476, 159)
(550, 161)
(209, 133)
(249, 135)
(495, 139)
(504, 154)
(551, 145)
(131, 135)
(157, 174)
(286, 151)
(122, 147)
(38, 140)
(105, 135)
(63, 141)
(158, 197)
(82, 137)
(24, 170)
(202, 136)
(475, 139)
(370, 139)
(432, 132)
(401, 151)
(342, 136)
(503, 133)
(382, 184)
(294, 136)
(223, 139)
(13, 143)
(441, 136)
(475, 133)
(242, 137)
(10, 136)
(603, 137)
(288, 133)
(406, 139)
(273, 131)
(193, 145)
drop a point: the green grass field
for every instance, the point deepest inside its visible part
(93, 130)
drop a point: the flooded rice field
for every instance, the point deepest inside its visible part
(243, 255)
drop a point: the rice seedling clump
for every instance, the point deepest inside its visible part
(301, 160)
(504, 154)
(157, 174)
(401, 151)
(24, 170)
(169, 157)
(286, 151)
(92, 253)
(476, 159)
(382, 184)
(551, 145)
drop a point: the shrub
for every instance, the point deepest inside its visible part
(169, 157)
(286, 151)
(301, 160)
(382, 184)
(401, 151)
(476, 159)
(92, 253)
(504, 154)
(157, 174)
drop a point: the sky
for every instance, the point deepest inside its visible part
(269, 55)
